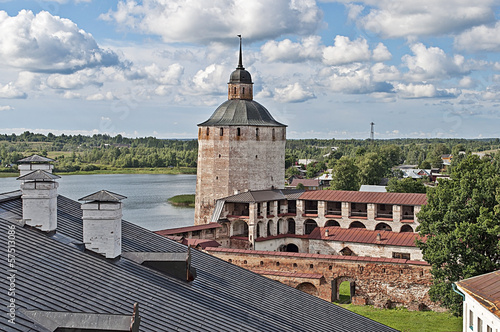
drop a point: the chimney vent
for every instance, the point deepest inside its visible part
(39, 197)
(379, 237)
(327, 232)
(34, 163)
(102, 223)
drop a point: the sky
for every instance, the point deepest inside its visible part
(327, 69)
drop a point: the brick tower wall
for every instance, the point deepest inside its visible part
(228, 163)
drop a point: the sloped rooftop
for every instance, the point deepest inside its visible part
(35, 159)
(54, 274)
(253, 196)
(485, 289)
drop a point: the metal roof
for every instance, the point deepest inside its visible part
(35, 159)
(485, 289)
(305, 182)
(365, 197)
(58, 277)
(241, 112)
(254, 196)
(39, 175)
(187, 229)
(103, 196)
(360, 235)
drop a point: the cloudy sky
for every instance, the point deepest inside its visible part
(428, 68)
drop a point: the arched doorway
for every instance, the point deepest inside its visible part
(291, 248)
(281, 227)
(309, 226)
(291, 226)
(343, 289)
(406, 228)
(331, 223)
(308, 288)
(260, 229)
(357, 224)
(240, 228)
(383, 227)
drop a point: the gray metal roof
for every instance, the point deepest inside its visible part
(254, 196)
(103, 196)
(241, 112)
(35, 159)
(55, 276)
(39, 175)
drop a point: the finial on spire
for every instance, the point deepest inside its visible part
(240, 63)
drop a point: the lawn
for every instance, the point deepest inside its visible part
(402, 319)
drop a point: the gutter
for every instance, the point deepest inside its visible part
(454, 286)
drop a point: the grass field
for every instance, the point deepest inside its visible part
(402, 319)
(182, 200)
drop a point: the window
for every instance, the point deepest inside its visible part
(208, 131)
(471, 320)
(234, 90)
(238, 132)
(273, 134)
(400, 255)
(488, 329)
(479, 325)
(243, 90)
(256, 132)
(222, 131)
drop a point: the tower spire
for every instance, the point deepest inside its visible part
(240, 63)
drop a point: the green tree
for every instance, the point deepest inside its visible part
(371, 168)
(406, 185)
(461, 222)
(300, 186)
(291, 171)
(345, 175)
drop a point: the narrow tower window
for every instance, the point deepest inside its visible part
(208, 131)
(243, 91)
(273, 134)
(256, 132)
(222, 131)
(234, 90)
(238, 132)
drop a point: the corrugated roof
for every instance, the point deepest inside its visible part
(187, 229)
(253, 196)
(365, 197)
(241, 112)
(35, 159)
(39, 175)
(361, 235)
(57, 276)
(485, 289)
(103, 196)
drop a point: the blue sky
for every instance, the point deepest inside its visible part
(325, 68)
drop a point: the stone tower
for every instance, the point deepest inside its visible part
(240, 147)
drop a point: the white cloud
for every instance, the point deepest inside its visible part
(71, 95)
(432, 64)
(46, 43)
(10, 91)
(205, 21)
(288, 51)
(412, 91)
(402, 18)
(72, 81)
(480, 38)
(346, 51)
(354, 78)
(99, 96)
(211, 80)
(292, 93)
(6, 108)
(381, 53)
(169, 76)
(382, 72)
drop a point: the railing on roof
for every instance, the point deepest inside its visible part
(358, 213)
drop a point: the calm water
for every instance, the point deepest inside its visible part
(147, 194)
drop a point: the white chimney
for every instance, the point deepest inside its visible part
(39, 197)
(102, 223)
(35, 163)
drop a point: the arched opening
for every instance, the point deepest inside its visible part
(383, 227)
(308, 288)
(270, 228)
(291, 226)
(260, 229)
(281, 227)
(240, 228)
(331, 223)
(357, 224)
(238, 132)
(291, 248)
(222, 132)
(346, 291)
(309, 226)
(406, 229)
(256, 132)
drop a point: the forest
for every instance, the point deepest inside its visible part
(371, 160)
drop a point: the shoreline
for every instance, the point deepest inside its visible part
(159, 170)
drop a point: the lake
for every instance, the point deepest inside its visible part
(146, 204)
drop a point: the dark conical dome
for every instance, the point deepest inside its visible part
(240, 112)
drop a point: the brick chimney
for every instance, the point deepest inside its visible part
(102, 223)
(34, 163)
(39, 197)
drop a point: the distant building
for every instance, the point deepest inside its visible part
(481, 306)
